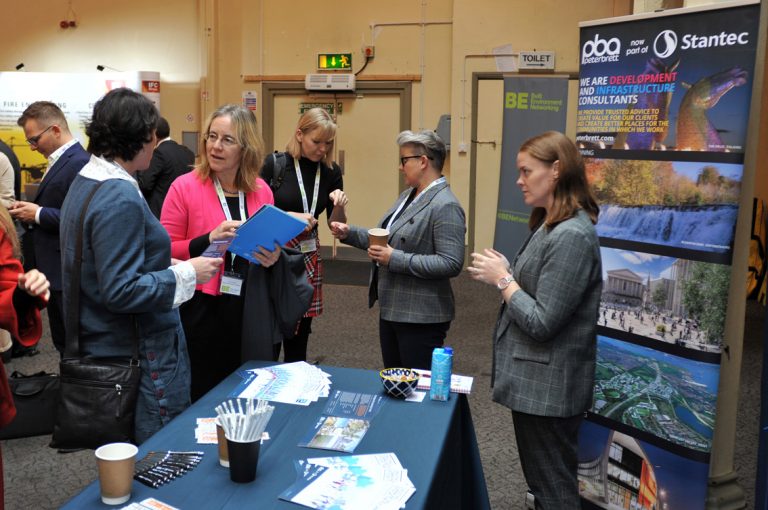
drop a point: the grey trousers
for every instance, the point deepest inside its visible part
(548, 454)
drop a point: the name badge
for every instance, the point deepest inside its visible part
(308, 245)
(231, 283)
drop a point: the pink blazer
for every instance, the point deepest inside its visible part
(192, 208)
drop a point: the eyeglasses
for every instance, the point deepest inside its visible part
(33, 140)
(226, 140)
(403, 159)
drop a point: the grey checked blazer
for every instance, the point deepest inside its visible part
(428, 242)
(545, 339)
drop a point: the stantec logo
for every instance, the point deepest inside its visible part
(601, 50)
(665, 43)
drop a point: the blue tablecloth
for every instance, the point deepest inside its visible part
(435, 442)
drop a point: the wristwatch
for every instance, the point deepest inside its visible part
(504, 282)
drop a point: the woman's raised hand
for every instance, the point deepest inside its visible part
(339, 230)
(225, 230)
(339, 198)
(305, 217)
(267, 258)
(34, 283)
(205, 267)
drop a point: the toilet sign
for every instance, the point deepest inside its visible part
(536, 60)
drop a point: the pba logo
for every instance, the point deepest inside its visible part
(600, 50)
(665, 43)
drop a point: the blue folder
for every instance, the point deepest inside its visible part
(269, 225)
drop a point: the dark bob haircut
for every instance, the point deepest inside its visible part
(122, 122)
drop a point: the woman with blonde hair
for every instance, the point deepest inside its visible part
(306, 182)
(207, 205)
(545, 340)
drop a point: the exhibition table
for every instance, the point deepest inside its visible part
(435, 442)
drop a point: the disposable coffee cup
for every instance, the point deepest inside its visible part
(243, 460)
(378, 236)
(116, 462)
(222, 439)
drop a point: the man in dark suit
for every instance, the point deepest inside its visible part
(169, 161)
(47, 132)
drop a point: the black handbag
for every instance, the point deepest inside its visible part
(35, 399)
(97, 396)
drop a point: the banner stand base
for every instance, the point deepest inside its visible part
(725, 493)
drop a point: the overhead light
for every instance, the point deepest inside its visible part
(20, 66)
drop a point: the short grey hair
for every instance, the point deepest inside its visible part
(430, 144)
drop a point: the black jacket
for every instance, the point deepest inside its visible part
(276, 298)
(169, 160)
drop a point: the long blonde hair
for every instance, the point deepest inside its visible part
(10, 231)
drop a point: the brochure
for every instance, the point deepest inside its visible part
(267, 227)
(348, 404)
(459, 383)
(334, 433)
(296, 383)
(217, 249)
(376, 482)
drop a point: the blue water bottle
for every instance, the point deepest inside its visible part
(442, 364)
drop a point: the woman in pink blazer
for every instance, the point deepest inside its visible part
(207, 205)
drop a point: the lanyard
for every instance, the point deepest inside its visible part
(415, 199)
(225, 207)
(304, 192)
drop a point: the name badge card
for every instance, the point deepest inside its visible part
(308, 246)
(231, 283)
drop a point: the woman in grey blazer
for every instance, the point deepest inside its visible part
(545, 337)
(410, 275)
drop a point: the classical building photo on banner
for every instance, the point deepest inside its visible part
(672, 301)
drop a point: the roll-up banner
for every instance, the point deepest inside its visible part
(761, 481)
(531, 106)
(662, 123)
(74, 93)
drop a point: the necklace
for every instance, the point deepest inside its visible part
(231, 192)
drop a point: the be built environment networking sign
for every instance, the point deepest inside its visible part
(663, 109)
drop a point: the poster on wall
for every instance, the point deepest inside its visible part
(663, 109)
(531, 106)
(74, 93)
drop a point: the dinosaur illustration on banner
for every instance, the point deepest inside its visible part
(695, 132)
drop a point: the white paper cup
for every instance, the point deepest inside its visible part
(378, 236)
(116, 462)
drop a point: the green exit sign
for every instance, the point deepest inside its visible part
(334, 61)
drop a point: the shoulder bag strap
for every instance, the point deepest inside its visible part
(278, 172)
(72, 320)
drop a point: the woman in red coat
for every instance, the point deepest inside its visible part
(22, 295)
